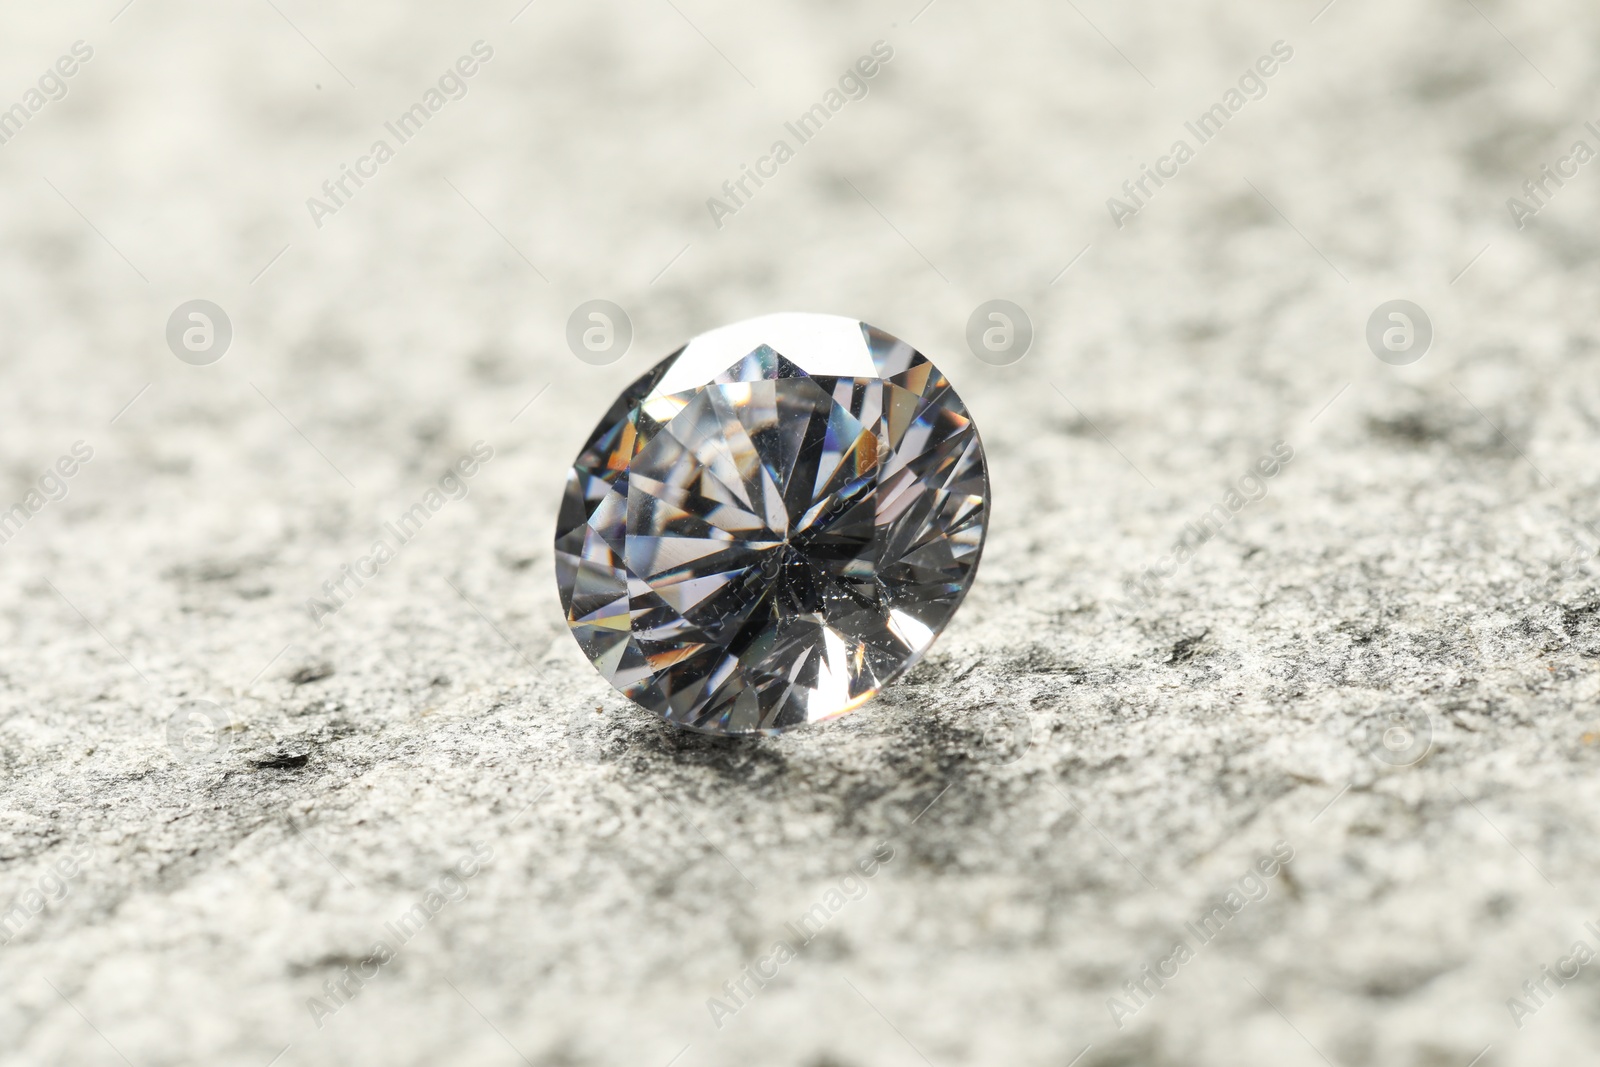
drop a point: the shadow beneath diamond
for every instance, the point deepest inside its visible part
(934, 762)
(751, 760)
(651, 746)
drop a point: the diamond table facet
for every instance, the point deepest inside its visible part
(772, 524)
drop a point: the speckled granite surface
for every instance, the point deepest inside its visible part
(1361, 719)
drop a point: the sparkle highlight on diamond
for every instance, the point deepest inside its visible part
(772, 524)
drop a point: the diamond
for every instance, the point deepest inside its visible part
(772, 524)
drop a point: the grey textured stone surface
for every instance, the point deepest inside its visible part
(1061, 787)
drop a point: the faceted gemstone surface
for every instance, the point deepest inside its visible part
(771, 524)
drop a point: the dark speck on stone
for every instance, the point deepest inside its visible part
(283, 761)
(1184, 650)
(313, 673)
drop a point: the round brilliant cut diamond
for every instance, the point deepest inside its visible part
(772, 524)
